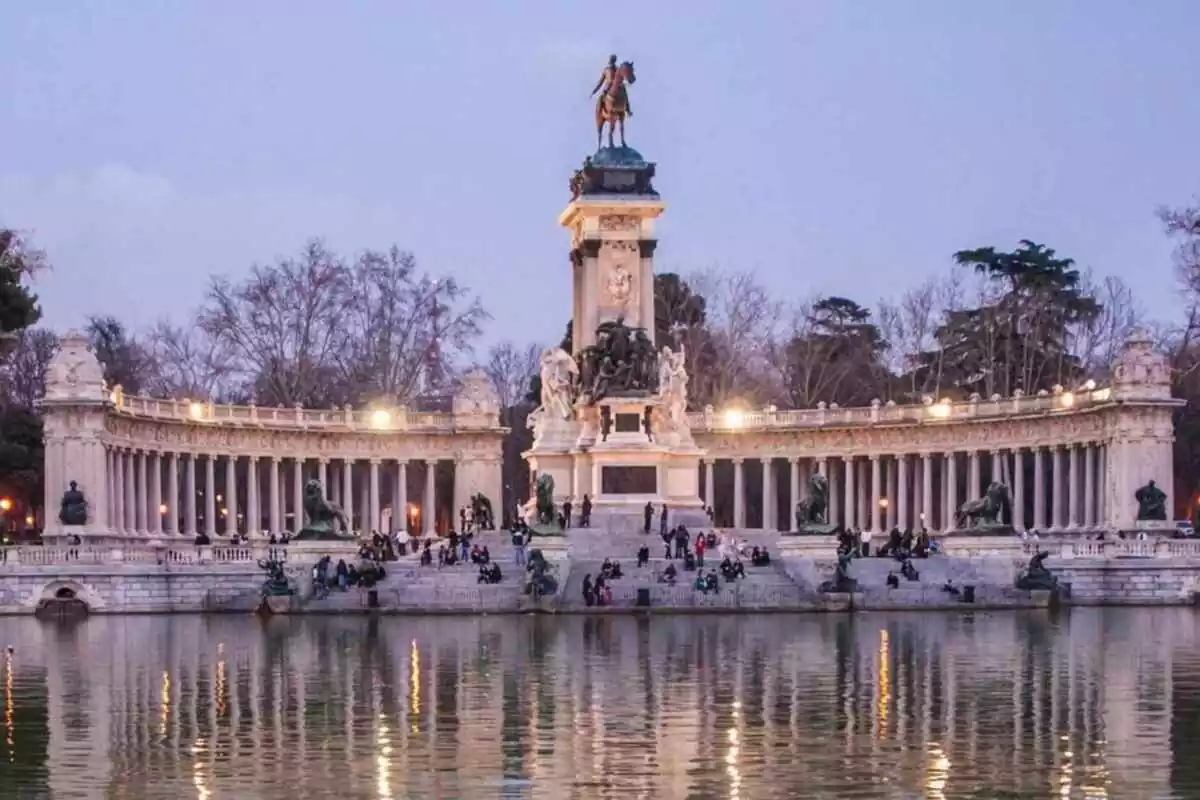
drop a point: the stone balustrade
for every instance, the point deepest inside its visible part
(377, 419)
(24, 556)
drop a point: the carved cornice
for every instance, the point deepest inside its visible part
(590, 247)
(646, 247)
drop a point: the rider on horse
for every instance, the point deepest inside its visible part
(611, 82)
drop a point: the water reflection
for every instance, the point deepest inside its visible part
(1091, 704)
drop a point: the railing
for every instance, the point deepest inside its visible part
(375, 419)
(881, 414)
(142, 554)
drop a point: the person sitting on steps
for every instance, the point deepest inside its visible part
(668, 575)
(643, 556)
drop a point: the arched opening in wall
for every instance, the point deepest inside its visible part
(61, 602)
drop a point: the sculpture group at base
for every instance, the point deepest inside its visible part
(811, 512)
(74, 509)
(1152, 503)
(276, 584)
(1036, 577)
(841, 583)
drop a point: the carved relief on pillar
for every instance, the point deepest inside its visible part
(620, 222)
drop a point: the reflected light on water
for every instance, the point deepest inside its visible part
(9, 728)
(164, 699)
(383, 784)
(199, 779)
(731, 756)
(414, 678)
(937, 773)
(885, 682)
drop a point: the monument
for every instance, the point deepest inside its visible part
(612, 423)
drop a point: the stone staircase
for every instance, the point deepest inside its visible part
(992, 578)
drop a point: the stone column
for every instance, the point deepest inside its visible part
(253, 509)
(173, 494)
(768, 502)
(429, 509)
(297, 494)
(1018, 509)
(794, 491)
(130, 495)
(951, 484)
(231, 496)
(927, 490)
(973, 479)
(1056, 486)
(374, 526)
(364, 502)
(876, 489)
(400, 499)
(110, 488)
(189, 501)
(708, 484)
(1089, 485)
(348, 492)
(892, 491)
(323, 475)
(1039, 489)
(864, 488)
(118, 491)
(997, 467)
(154, 510)
(139, 492)
(1072, 486)
(851, 518)
(902, 491)
(739, 494)
(210, 495)
(833, 511)
(274, 516)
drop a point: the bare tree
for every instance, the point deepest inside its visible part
(734, 363)
(23, 372)
(281, 325)
(187, 363)
(404, 330)
(511, 368)
(1096, 341)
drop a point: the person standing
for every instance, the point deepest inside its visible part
(518, 542)
(566, 513)
(585, 512)
(662, 520)
(647, 515)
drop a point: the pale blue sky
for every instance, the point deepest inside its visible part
(835, 147)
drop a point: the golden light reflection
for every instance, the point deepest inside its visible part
(734, 418)
(731, 755)
(1066, 785)
(9, 725)
(199, 779)
(165, 701)
(383, 783)
(937, 773)
(885, 680)
(414, 690)
(221, 687)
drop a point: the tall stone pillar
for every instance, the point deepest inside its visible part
(323, 474)
(231, 495)
(348, 491)
(951, 484)
(997, 468)
(297, 494)
(154, 510)
(173, 494)
(709, 488)
(794, 491)
(253, 509)
(1056, 485)
(364, 502)
(274, 516)
(429, 507)
(374, 526)
(110, 481)
(140, 493)
(210, 495)
(768, 502)
(891, 491)
(118, 491)
(851, 517)
(189, 500)
(400, 499)
(130, 495)
(1018, 509)
(974, 481)
(1089, 485)
(1039, 489)
(739, 493)
(1073, 486)
(927, 491)
(876, 493)
(902, 492)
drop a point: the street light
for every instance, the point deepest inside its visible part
(6, 504)
(883, 502)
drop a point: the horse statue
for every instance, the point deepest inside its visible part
(322, 516)
(987, 510)
(812, 509)
(613, 105)
(545, 499)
